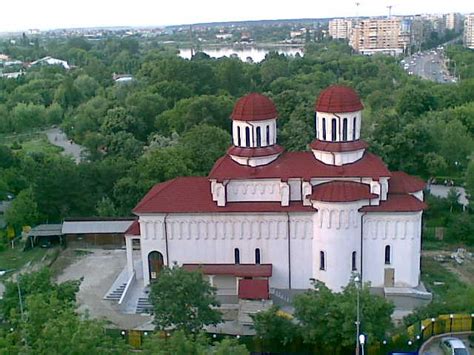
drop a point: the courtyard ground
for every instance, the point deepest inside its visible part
(98, 268)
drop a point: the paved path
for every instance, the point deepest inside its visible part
(59, 139)
(442, 191)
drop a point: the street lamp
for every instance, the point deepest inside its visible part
(362, 342)
(358, 335)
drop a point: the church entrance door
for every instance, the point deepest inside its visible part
(155, 264)
(389, 277)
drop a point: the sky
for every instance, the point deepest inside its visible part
(51, 14)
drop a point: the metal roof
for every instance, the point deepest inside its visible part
(96, 227)
(46, 230)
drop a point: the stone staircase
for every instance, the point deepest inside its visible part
(144, 306)
(248, 308)
(117, 293)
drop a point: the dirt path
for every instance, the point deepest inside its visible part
(464, 271)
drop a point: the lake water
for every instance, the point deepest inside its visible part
(257, 54)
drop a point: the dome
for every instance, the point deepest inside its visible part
(254, 107)
(338, 99)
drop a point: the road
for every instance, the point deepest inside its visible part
(59, 139)
(434, 348)
(429, 65)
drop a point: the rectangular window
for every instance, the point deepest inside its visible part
(322, 260)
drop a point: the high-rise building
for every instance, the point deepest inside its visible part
(340, 28)
(379, 36)
(469, 31)
(453, 21)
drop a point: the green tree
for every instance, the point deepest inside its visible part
(106, 208)
(275, 328)
(183, 300)
(328, 319)
(23, 210)
(205, 144)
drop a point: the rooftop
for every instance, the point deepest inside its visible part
(338, 99)
(254, 107)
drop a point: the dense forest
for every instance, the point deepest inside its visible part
(173, 118)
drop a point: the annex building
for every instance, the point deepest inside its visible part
(266, 219)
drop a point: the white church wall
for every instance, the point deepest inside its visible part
(418, 195)
(253, 190)
(295, 189)
(338, 158)
(402, 232)
(339, 122)
(212, 238)
(337, 233)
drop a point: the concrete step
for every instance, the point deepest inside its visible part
(144, 306)
(117, 293)
(248, 308)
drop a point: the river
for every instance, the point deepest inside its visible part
(257, 54)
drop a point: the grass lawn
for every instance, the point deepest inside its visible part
(17, 258)
(31, 142)
(434, 272)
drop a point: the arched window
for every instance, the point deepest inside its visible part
(268, 135)
(322, 260)
(387, 255)
(247, 136)
(317, 127)
(259, 137)
(333, 129)
(257, 256)
(324, 128)
(354, 261)
(237, 255)
(354, 128)
(239, 140)
(344, 129)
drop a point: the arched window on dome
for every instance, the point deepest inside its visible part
(237, 255)
(354, 128)
(247, 136)
(322, 260)
(268, 135)
(317, 127)
(324, 128)
(344, 129)
(354, 261)
(333, 129)
(257, 256)
(259, 137)
(388, 255)
(239, 138)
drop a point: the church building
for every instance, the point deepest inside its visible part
(266, 219)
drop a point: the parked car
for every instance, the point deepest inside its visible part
(453, 346)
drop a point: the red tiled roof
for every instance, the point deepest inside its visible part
(341, 191)
(134, 229)
(255, 152)
(253, 289)
(254, 107)
(238, 270)
(193, 195)
(397, 203)
(402, 183)
(299, 165)
(338, 99)
(338, 146)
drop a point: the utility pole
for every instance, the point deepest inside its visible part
(21, 301)
(356, 281)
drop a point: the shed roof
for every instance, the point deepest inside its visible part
(96, 227)
(46, 230)
(239, 270)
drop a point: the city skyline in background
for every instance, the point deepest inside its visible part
(52, 14)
